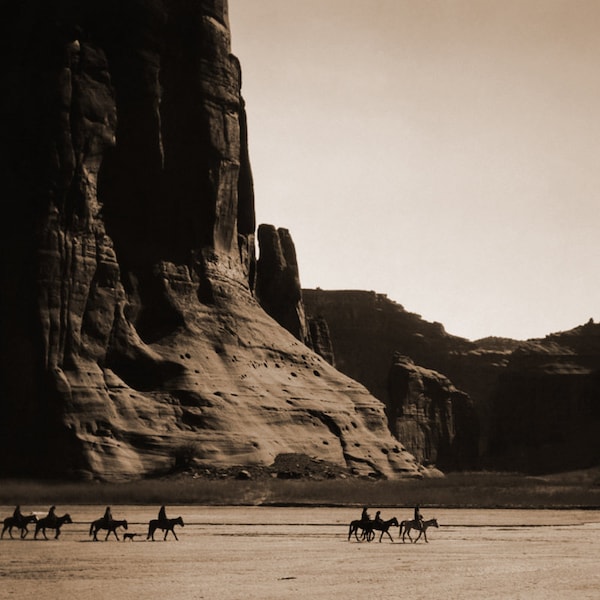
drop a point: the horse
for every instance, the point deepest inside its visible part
(384, 526)
(166, 525)
(51, 523)
(110, 526)
(420, 525)
(21, 524)
(367, 530)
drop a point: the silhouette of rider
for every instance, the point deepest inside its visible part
(17, 515)
(51, 516)
(378, 519)
(365, 515)
(418, 516)
(162, 514)
(107, 515)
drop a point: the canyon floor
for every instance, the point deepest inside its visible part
(253, 553)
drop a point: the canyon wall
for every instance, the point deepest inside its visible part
(533, 406)
(130, 328)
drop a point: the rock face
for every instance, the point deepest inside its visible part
(435, 420)
(278, 281)
(129, 325)
(535, 405)
(546, 414)
(367, 331)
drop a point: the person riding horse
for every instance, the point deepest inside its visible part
(162, 515)
(418, 516)
(51, 517)
(18, 515)
(365, 516)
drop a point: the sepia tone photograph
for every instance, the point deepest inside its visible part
(300, 299)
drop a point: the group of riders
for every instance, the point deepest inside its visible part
(51, 518)
(366, 517)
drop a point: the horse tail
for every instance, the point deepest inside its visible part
(91, 528)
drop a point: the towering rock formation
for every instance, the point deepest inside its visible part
(129, 327)
(278, 280)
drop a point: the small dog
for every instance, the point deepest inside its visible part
(129, 536)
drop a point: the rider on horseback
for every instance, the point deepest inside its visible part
(108, 518)
(418, 516)
(18, 516)
(162, 514)
(51, 516)
(365, 516)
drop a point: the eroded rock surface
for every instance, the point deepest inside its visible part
(129, 325)
(435, 420)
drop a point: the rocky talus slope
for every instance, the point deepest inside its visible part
(129, 325)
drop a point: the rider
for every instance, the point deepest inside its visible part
(107, 515)
(418, 516)
(365, 514)
(51, 516)
(17, 515)
(378, 519)
(162, 514)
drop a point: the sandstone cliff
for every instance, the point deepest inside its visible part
(535, 406)
(129, 325)
(435, 420)
(546, 411)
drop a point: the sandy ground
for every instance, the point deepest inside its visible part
(283, 553)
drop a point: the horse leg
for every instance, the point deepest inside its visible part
(116, 535)
(57, 533)
(389, 535)
(24, 533)
(173, 532)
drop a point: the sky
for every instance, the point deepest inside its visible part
(443, 152)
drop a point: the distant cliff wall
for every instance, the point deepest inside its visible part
(533, 405)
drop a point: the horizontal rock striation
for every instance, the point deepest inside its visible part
(129, 325)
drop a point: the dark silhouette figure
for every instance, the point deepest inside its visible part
(418, 515)
(162, 514)
(51, 517)
(365, 515)
(108, 518)
(18, 515)
(378, 518)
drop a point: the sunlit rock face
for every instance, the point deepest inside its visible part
(129, 325)
(368, 331)
(435, 420)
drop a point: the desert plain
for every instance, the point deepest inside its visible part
(252, 553)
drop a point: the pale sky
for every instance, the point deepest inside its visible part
(443, 152)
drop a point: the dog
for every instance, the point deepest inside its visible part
(129, 536)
